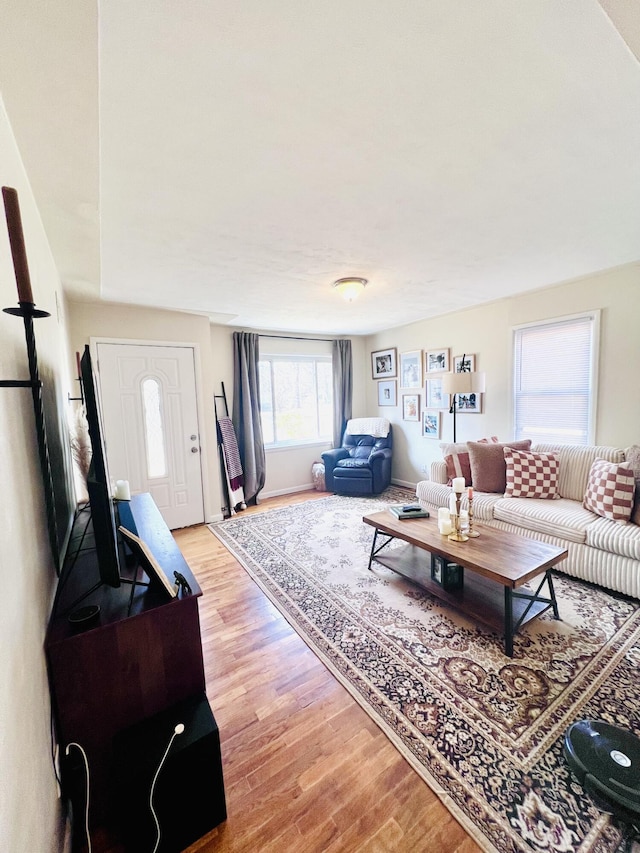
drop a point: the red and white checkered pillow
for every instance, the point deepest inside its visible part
(610, 490)
(531, 475)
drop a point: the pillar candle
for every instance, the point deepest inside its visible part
(444, 526)
(444, 513)
(452, 504)
(464, 519)
(16, 241)
(458, 485)
(123, 492)
(470, 493)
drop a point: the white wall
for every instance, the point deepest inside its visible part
(487, 332)
(30, 814)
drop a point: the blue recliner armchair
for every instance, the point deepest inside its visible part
(362, 466)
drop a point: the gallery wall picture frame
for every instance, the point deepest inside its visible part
(384, 363)
(469, 404)
(431, 423)
(387, 394)
(411, 369)
(434, 396)
(464, 363)
(410, 407)
(437, 361)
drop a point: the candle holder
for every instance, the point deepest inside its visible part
(458, 535)
(471, 533)
(27, 310)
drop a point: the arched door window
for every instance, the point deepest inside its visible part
(154, 429)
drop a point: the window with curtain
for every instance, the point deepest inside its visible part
(296, 399)
(555, 370)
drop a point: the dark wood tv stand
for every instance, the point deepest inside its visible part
(130, 666)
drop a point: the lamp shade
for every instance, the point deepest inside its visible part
(350, 288)
(463, 383)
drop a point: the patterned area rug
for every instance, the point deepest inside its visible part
(483, 730)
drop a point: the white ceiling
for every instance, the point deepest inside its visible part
(248, 154)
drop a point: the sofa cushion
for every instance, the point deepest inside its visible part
(488, 468)
(483, 504)
(432, 495)
(531, 475)
(610, 490)
(456, 457)
(575, 464)
(632, 460)
(352, 463)
(562, 519)
(607, 535)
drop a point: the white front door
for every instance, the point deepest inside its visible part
(150, 418)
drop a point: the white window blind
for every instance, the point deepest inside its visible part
(554, 380)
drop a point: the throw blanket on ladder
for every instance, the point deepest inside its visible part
(233, 467)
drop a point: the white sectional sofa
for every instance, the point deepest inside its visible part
(601, 550)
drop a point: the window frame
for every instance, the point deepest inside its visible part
(145, 422)
(594, 318)
(295, 358)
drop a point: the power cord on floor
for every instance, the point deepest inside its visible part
(177, 731)
(53, 748)
(86, 809)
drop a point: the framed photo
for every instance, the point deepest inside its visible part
(436, 568)
(387, 395)
(448, 575)
(464, 363)
(410, 407)
(437, 361)
(411, 369)
(469, 404)
(434, 397)
(147, 561)
(431, 423)
(384, 363)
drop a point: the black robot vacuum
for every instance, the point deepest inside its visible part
(606, 761)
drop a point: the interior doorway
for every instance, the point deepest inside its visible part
(150, 418)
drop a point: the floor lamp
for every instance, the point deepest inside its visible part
(461, 383)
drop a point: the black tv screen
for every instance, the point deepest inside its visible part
(98, 483)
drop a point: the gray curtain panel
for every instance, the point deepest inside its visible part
(342, 388)
(246, 412)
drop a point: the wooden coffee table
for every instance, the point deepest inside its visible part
(495, 564)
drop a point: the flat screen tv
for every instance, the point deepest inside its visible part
(98, 483)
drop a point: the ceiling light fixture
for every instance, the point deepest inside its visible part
(350, 288)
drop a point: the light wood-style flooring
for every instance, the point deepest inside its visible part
(305, 768)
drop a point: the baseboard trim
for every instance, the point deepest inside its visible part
(404, 484)
(277, 492)
(307, 487)
(311, 486)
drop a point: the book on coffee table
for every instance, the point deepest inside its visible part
(403, 511)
